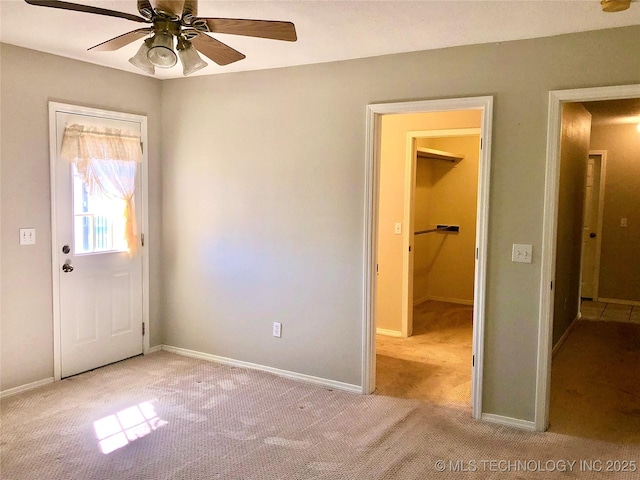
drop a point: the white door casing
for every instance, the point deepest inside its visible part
(100, 306)
(372, 182)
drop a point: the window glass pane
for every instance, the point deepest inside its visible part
(99, 221)
(83, 234)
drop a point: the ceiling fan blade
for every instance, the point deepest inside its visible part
(85, 8)
(171, 7)
(253, 28)
(217, 51)
(121, 40)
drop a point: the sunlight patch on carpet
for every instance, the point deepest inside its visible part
(118, 430)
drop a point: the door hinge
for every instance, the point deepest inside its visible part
(551, 285)
(143, 329)
(376, 268)
(481, 144)
(473, 360)
(142, 239)
(409, 247)
(477, 253)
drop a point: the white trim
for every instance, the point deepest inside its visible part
(458, 301)
(565, 335)
(372, 167)
(600, 216)
(619, 302)
(347, 387)
(410, 172)
(550, 219)
(155, 349)
(389, 333)
(23, 388)
(509, 421)
(55, 107)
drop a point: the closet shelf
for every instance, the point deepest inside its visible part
(433, 154)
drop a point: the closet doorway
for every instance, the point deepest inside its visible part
(431, 165)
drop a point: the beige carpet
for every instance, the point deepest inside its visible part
(434, 364)
(595, 382)
(201, 420)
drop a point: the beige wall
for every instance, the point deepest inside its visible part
(620, 260)
(446, 193)
(393, 152)
(574, 153)
(264, 193)
(263, 181)
(29, 80)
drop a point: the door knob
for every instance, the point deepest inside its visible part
(592, 235)
(67, 267)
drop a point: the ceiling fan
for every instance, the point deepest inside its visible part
(176, 23)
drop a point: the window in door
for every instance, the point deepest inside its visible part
(99, 223)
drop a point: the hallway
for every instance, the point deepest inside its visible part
(595, 378)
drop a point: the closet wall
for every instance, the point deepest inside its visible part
(446, 193)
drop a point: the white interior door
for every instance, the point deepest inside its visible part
(590, 228)
(100, 291)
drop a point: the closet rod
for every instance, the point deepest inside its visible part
(441, 228)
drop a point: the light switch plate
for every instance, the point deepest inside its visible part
(27, 236)
(277, 329)
(624, 222)
(397, 228)
(521, 253)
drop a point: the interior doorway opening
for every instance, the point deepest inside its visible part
(581, 391)
(438, 274)
(429, 358)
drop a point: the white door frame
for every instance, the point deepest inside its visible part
(550, 220)
(599, 217)
(409, 215)
(143, 222)
(372, 187)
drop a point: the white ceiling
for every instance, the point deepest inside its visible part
(327, 30)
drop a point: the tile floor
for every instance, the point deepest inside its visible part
(610, 312)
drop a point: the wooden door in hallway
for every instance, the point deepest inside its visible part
(592, 226)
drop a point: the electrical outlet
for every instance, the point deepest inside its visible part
(397, 228)
(277, 329)
(27, 236)
(624, 222)
(521, 253)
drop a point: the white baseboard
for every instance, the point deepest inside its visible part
(347, 387)
(619, 302)
(155, 349)
(458, 301)
(565, 335)
(24, 388)
(508, 421)
(388, 333)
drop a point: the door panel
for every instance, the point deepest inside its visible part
(590, 228)
(100, 299)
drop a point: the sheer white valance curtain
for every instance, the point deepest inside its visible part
(107, 160)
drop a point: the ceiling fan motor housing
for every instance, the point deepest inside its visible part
(615, 5)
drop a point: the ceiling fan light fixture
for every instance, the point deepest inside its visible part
(191, 61)
(161, 53)
(615, 5)
(141, 59)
